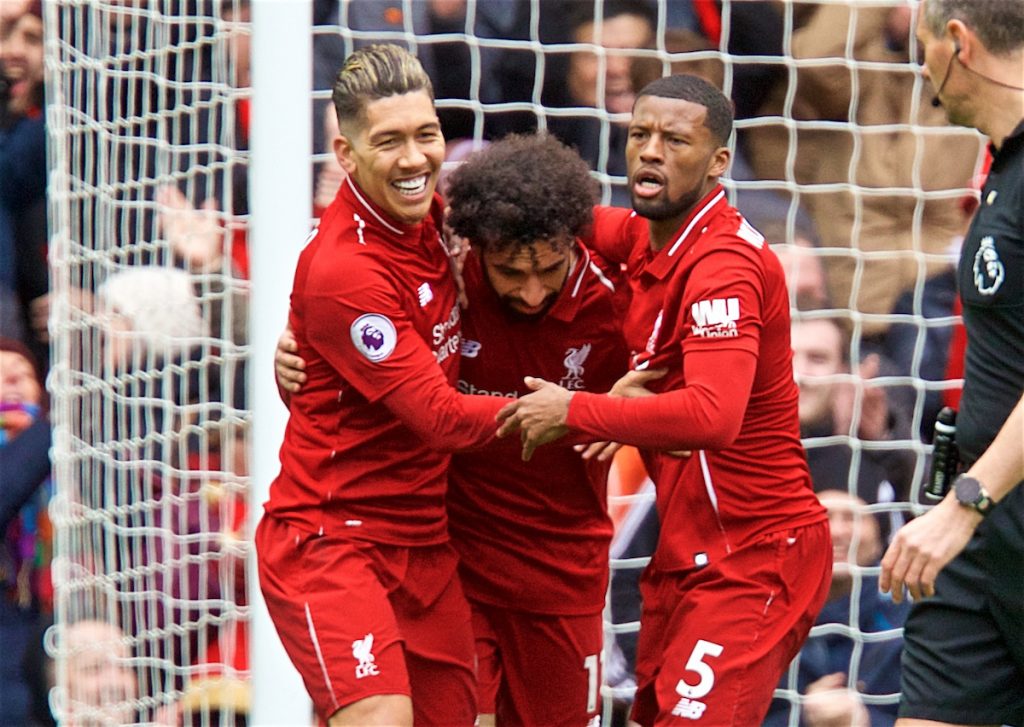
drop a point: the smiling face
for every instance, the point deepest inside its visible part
(394, 153)
(672, 161)
(528, 278)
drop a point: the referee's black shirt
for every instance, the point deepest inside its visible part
(991, 281)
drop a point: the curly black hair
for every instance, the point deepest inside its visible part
(519, 190)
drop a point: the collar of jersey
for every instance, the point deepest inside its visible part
(1011, 142)
(665, 259)
(567, 304)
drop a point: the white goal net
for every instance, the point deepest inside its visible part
(839, 158)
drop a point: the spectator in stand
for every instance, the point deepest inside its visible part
(889, 224)
(709, 309)
(26, 544)
(836, 667)
(830, 405)
(755, 28)
(162, 403)
(359, 502)
(803, 264)
(102, 688)
(600, 135)
(450, 65)
(204, 230)
(23, 268)
(150, 314)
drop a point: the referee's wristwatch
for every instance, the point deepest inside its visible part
(971, 493)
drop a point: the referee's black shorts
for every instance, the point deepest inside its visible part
(963, 658)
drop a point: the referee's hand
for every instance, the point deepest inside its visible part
(924, 546)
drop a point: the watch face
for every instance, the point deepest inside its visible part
(968, 490)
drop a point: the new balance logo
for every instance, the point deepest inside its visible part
(362, 650)
(425, 294)
(715, 318)
(689, 708)
(469, 349)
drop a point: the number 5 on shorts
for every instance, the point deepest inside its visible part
(697, 664)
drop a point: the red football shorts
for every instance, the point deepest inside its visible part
(714, 642)
(537, 670)
(359, 619)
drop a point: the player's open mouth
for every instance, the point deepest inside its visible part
(647, 184)
(411, 187)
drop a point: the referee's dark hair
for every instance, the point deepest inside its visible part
(699, 91)
(520, 190)
(999, 23)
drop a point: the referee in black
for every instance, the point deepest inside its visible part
(963, 561)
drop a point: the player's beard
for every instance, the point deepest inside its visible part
(664, 208)
(518, 315)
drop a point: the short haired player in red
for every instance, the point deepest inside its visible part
(354, 560)
(533, 537)
(743, 562)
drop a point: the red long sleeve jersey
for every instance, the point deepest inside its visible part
(717, 289)
(374, 312)
(534, 536)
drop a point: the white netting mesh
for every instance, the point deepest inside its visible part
(149, 346)
(147, 109)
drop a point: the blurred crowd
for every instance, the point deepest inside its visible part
(840, 160)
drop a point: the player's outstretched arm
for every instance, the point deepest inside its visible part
(632, 385)
(923, 547)
(421, 398)
(706, 414)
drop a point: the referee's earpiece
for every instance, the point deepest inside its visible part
(936, 103)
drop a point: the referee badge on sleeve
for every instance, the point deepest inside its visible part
(374, 336)
(989, 271)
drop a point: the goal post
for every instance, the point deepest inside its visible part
(281, 189)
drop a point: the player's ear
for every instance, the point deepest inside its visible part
(343, 153)
(719, 161)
